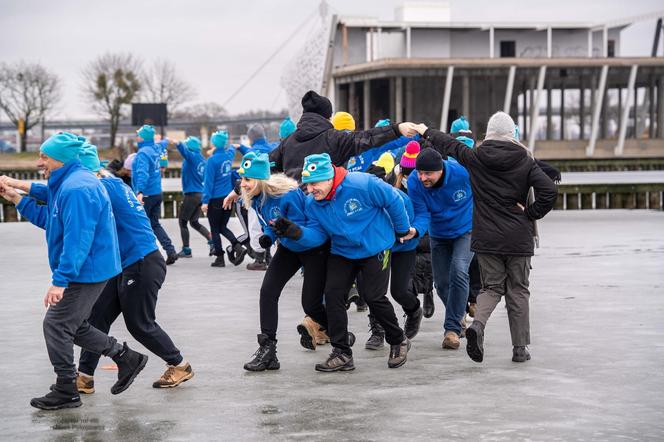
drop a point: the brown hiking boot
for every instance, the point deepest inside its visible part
(451, 341)
(174, 376)
(472, 308)
(85, 384)
(337, 361)
(322, 338)
(398, 354)
(464, 326)
(308, 331)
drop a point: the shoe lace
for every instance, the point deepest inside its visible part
(260, 352)
(336, 353)
(169, 373)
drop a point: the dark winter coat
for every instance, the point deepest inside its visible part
(315, 134)
(501, 174)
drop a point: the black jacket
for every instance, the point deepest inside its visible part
(315, 134)
(501, 174)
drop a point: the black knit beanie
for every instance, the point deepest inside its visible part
(312, 102)
(429, 160)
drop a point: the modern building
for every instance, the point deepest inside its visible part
(572, 92)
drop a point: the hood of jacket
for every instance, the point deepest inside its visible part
(311, 125)
(501, 155)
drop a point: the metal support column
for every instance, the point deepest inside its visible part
(598, 102)
(366, 105)
(492, 38)
(508, 90)
(446, 99)
(398, 100)
(620, 147)
(534, 116)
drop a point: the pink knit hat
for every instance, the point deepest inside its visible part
(408, 158)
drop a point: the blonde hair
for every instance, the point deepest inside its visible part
(275, 186)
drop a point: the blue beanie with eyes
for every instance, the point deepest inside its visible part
(317, 167)
(219, 139)
(256, 166)
(193, 143)
(89, 158)
(146, 132)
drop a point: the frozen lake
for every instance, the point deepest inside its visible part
(596, 374)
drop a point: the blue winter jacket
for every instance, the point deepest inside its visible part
(135, 236)
(361, 218)
(290, 205)
(218, 174)
(259, 146)
(360, 163)
(145, 173)
(447, 210)
(193, 169)
(411, 244)
(80, 226)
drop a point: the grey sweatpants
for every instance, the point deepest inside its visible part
(507, 276)
(66, 324)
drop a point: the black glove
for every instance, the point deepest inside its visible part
(287, 228)
(265, 241)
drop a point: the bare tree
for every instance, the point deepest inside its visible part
(28, 91)
(163, 85)
(112, 82)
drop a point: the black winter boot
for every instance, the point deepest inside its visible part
(412, 325)
(130, 363)
(236, 253)
(62, 395)
(429, 306)
(475, 341)
(219, 261)
(265, 357)
(520, 354)
(377, 338)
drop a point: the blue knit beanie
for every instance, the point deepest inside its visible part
(219, 139)
(193, 144)
(89, 158)
(63, 146)
(383, 123)
(460, 124)
(467, 141)
(256, 166)
(286, 128)
(146, 132)
(317, 167)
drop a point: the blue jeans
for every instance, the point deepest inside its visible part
(152, 206)
(450, 259)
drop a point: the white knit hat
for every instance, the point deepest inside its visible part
(501, 125)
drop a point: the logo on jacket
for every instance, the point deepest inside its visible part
(459, 195)
(226, 167)
(275, 212)
(352, 206)
(200, 169)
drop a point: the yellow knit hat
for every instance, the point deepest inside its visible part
(343, 121)
(386, 161)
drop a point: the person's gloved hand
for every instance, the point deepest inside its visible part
(287, 228)
(265, 241)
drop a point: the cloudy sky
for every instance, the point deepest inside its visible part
(218, 44)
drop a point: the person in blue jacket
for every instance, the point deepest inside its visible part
(362, 215)
(83, 254)
(218, 183)
(443, 203)
(273, 198)
(146, 182)
(193, 173)
(362, 162)
(257, 141)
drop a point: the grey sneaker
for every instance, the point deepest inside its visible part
(337, 361)
(520, 354)
(398, 354)
(377, 339)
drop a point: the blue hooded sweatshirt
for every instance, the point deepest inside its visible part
(259, 146)
(290, 205)
(411, 244)
(445, 210)
(193, 169)
(360, 163)
(135, 235)
(361, 218)
(145, 173)
(80, 226)
(218, 174)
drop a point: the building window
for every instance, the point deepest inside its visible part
(508, 48)
(611, 50)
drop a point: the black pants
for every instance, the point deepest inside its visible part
(134, 294)
(475, 280)
(152, 206)
(402, 267)
(283, 266)
(218, 217)
(190, 212)
(341, 272)
(66, 325)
